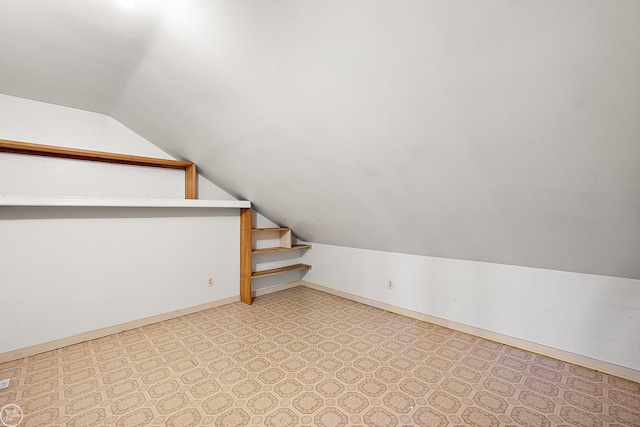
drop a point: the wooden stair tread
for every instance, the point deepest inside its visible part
(279, 249)
(279, 270)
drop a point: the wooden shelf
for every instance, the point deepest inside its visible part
(272, 271)
(252, 242)
(284, 235)
(279, 249)
(43, 201)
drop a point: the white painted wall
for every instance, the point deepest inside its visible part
(65, 271)
(496, 131)
(589, 315)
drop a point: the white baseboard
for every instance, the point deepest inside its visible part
(598, 365)
(576, 359)
(110, 330)
(99, 333)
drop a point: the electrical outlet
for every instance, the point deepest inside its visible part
(390, 285)
(5, 383)
(210, 281)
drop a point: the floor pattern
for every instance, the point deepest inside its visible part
(303, 357)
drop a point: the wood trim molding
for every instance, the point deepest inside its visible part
(191, 176)
(576, 359)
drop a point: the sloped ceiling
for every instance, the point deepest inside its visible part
(502, 131)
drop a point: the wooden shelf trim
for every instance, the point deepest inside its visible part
(279, 249)
(191, 176)
(273, 271)
(18, 147)
(258, 230)
(51, 201)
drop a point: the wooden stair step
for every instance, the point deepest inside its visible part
(279, 270)
(279, 249)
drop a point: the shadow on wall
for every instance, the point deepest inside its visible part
(31, 213)
(276, 280)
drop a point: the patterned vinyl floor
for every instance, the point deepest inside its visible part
(303, 357)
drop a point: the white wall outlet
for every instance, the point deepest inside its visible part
(210, 282)
(390, 284)
(5, 383)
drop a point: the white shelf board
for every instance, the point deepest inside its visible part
(13, 200)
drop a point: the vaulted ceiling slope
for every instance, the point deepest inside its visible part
(501, 131)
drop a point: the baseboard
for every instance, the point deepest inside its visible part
(576, 359)
(598, 365)
(99, 333)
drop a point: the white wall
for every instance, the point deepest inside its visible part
(64, 271)
(593, 316)
(505, 131)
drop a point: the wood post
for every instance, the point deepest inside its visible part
(245, 255)
(190, 182)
